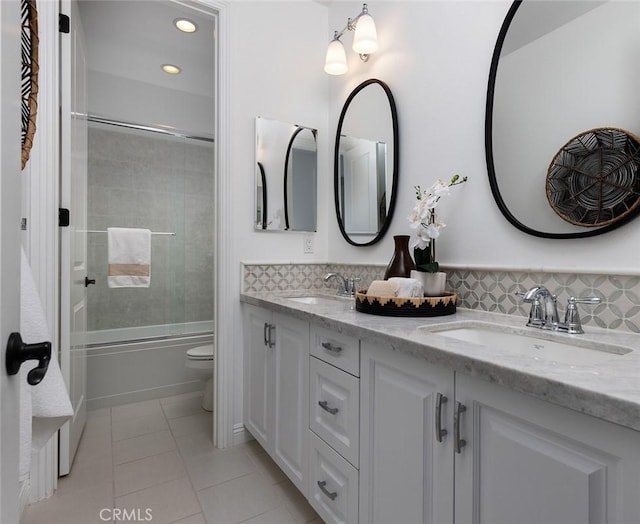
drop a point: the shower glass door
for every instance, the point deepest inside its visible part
(145, 179)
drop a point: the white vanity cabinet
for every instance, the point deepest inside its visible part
(526, 460)
(334, 425)
(506, 457)
(276, 388)
(406, 474)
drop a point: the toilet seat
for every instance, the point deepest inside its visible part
(201, 353)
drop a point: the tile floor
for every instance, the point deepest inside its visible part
(155, 460)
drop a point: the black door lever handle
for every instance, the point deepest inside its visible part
(19, 352)
(88, 281)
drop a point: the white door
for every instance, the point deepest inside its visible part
(10, 202)
(257, 372)
(73, 239)
(291, 397)
(361, 185)
(406, 473)
(527, 461)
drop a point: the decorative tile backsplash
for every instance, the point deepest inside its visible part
(477, 289)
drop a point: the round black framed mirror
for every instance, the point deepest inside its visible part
(559, 69)
(366, 163)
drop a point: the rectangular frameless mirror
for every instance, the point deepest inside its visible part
(286, 176)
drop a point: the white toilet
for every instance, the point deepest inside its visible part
(200, 359)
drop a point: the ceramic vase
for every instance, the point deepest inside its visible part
(401, 263)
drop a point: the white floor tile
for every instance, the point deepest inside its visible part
(195, 445)
(92, 448)
(184, 407)
(136, 409)
(201, 423)
(81, 506)
(268, 468)
(280, 515)
(168, 502)
(193, 519)
(143, 446)
(147, 472)
(216, 468)
(171, 468)
(124, 428)
(239, 499)
(297, 505)
(98, 424)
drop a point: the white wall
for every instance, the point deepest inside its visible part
(435, 57)
(277, 54)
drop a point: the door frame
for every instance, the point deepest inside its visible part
(43, 235)
(10, 191)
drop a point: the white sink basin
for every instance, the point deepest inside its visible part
(324, 300)
(571, 351)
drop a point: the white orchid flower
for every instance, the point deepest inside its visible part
(423, 217)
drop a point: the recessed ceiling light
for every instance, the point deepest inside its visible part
(185, 25)
(171, 69)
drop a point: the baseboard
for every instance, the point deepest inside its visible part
(25, 494)
(145, 394)
(240, 434)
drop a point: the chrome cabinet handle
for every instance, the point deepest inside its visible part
(330, 347)
(325, 405)
(264, 334)
(321, 485)
(458, 443)
(440, 433)
(272, 330)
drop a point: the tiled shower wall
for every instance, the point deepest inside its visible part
(162, 183)
(477, 289)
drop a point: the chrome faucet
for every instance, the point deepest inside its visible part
(544, 311)
(543, 315)
(347, 287)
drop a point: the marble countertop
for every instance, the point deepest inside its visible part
(609, 390)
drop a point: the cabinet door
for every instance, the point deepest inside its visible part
(257, 373)
(406, 475)
(291, 397)
(528, 461)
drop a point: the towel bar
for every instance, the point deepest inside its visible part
(153, 232)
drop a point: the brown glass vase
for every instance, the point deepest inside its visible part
(401, 262)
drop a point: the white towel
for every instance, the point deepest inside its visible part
(129, 257)
(383, 288)
(408, 287)
(44, 408)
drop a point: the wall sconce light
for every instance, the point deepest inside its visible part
(365, 42)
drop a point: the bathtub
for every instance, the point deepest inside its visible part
(134, 364)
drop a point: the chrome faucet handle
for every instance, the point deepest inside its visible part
(536, 313)
(351, 285)
(572, 323)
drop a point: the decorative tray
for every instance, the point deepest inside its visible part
(594, 179)
(406, 307)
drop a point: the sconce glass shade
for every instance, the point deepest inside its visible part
(336, 60)
(365, 41)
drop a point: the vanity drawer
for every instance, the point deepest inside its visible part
(338, 350)
(333, 484)
(334, 401)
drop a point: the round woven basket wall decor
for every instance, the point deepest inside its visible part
(594, 179)
(29, 75)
